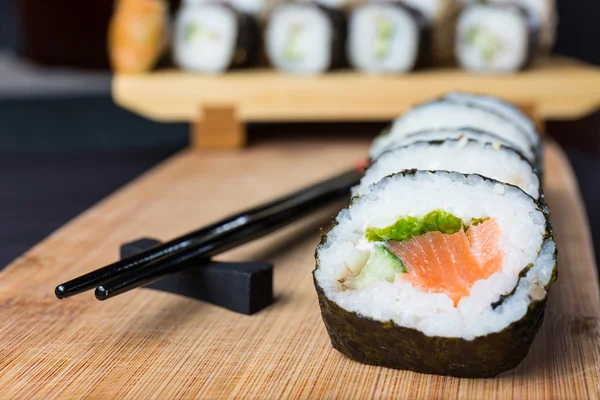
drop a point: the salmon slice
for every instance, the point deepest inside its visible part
(451, 263)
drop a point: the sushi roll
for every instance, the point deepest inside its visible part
(387, 38)
(464, 155)
(437, 272)
(305, 38)
(449, 114)
(137, 35)
(213, 38)
(504, 108)
(495, 38)
(454, 134)
(544, 15)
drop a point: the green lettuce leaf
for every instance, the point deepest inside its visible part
(406, 228)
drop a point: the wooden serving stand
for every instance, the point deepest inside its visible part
(218, 107)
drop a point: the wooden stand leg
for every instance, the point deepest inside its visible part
(218, 128)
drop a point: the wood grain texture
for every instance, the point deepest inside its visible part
(562, 88)
(218, 128)
(147, 344)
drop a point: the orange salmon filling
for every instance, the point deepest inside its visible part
(451, 263)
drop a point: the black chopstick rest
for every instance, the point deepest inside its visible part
(245, 287)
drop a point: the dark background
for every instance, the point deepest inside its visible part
(62, 151)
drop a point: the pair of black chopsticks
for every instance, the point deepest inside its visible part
(174, 255)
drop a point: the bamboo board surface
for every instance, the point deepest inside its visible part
(562, 88)
(147, 344)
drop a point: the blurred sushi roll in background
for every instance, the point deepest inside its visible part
(467, 156)
(138, 35)
(446, 113)
(501, 107)
(495, 38)
(387, 38)
(213, 38)
(313, 37)
(305, 38)
(452, 134)
(443, 260)
(544, 14)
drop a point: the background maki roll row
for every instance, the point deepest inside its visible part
(383, 37)
(496, 38)
(443, 260)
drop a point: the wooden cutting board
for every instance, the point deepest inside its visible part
(147, 344)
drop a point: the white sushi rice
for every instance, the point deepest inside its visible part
(205, 37)
(298, 39)
(462, 155)
(368, 49)
(522, 239)
(492, 39)
(453, 134)
(543, 13)
(503, 108)
(446, 114)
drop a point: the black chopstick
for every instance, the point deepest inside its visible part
(171, 256)
(99, 276)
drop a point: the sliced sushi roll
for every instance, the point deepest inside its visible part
(495, 38)
(213, 38)
(387, 38)
(504, 108)
(447, 114)
(544, 14)
(437, 272)
(305, 38)
(454, 134)
(464, 155)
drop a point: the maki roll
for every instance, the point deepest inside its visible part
(495, 38)
(451, 279)
(503, 108)
(544, 14)
(453, 134)
(464, 155)
(213, 38)
(446, 114)
(305, 38)
(388, 38)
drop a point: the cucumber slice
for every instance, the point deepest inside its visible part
(382, 265)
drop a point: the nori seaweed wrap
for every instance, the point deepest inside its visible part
(306, 38)
(215, 38)
(437, 272)
(388, 38)
(498, 38)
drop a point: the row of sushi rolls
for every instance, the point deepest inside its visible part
(443, 259)
(302, 37)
